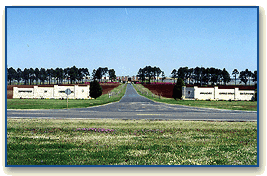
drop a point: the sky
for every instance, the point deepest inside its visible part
(126, 39)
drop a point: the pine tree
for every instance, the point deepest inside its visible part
(177, 90)
(95, 89)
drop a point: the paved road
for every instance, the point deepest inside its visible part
(134, 106)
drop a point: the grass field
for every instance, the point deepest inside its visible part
(232, 105)
(61, 104)
(130, 142)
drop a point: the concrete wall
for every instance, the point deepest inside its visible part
(79, 92)
(43, 92)
(246, 94)
(214, 93)
(226, 94)
(23, 92)
(203, 93)
(82, 92)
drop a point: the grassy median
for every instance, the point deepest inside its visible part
(62, 104)
(130, 142)
(232, 105)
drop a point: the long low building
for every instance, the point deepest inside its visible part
(217, 93)
(53, 92)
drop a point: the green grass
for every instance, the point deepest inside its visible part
(232, 105)
(61, 104)
(133, 142)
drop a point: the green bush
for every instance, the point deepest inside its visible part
(177, 90)
(95, 89)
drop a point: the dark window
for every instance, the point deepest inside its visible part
(223, 93)
(246, 94)
(63, 91)
(25, 91)
(205, 93)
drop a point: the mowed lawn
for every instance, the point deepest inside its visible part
(61, 104)
(232, 105)
(130, 142)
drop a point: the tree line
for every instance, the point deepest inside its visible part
(40, 76)
(100, 72)
(245, 76)
(215, 76)
(198, 75)
(150, 73)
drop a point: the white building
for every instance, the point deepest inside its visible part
(55, 92)
(216, 93)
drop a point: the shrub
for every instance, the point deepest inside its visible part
(95, 89)
(177, 90)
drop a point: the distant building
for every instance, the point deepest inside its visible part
(105, 79)
(122, 78)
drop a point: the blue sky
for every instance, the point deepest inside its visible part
(127, 39)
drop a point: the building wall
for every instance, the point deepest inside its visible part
(43, 92)
(226, 94)
(246, 94)
(79, 92)
(23, 92)
(82, 92)
(189, 92)
(205, 93)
